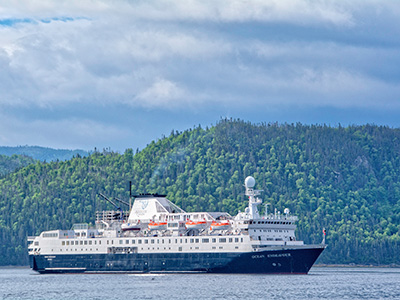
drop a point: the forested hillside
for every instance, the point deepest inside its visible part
(11, 163)
(42, 153)
(346, 179)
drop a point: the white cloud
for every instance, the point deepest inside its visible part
(197, 55)
(162, 93)
(292, 11)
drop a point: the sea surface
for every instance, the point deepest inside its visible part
(320, 283)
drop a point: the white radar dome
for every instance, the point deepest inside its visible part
(249, 182)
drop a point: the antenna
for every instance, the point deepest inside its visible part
(130, 195)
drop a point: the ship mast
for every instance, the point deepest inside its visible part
(254, 201)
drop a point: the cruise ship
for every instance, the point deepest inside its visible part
(157, 236)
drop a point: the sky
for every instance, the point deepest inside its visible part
(78, 74)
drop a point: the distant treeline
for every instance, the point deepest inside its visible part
(42, 153)
(344, 179)
(9, 164)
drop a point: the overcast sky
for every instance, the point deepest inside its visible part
(84, 74)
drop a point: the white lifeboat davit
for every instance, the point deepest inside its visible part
(195, 224)
(157, 225)
(220, 225)
(131, 226)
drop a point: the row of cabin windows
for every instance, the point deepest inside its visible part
(51, 234)
(82, 249)
(267, 222)
(182, 241)
(152, 241)
(79, 243)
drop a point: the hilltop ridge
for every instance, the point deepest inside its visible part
(42, 153)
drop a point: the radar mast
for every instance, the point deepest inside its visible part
(254, 201)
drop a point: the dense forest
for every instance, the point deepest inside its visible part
(9, 164)
(42, 153)
(345, 179)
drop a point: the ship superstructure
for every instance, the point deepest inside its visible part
(158, 236)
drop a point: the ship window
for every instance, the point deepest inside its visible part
(241, 240)
(185, 241)
(236, 240)
(146, 241)
(53, 234)
(205, 240)
(222, 240)
(67, 243)
(95, 242)
(196, 240)
(85, 242)
(63, 243)
(230, 240)
(214, 240)
(169, 241)
(139, 241)
(108, 242)
(90, 242)
(36, 243)
(120, 241)
(133, 241)
(127, 242)
(192, 240)
(162, 241)
(152, 241)
(176, 241)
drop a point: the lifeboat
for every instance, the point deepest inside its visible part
(157, 225)
(131, 226)
(220, 225)
(195, 224)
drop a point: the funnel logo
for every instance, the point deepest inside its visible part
(144, 204)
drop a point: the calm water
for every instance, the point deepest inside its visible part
(321, 283)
